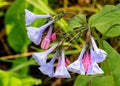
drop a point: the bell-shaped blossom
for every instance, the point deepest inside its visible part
(94, 69)
(61, 70)
(77, 66)
(35, 34)
(30, 17)
(53, 36)
(48, 68)
(46, 41)
(99, 55)
(42, 57)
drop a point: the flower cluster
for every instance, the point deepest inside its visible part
(35, 34)
(86, 64)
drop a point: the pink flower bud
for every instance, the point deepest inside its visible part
(45, 43)
(53, 37)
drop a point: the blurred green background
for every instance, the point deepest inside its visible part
(17, 68)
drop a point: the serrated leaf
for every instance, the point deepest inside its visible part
(15, 26)
(76, 21)
(107, 17)
(113, 62)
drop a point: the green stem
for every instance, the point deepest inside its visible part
(21, 66)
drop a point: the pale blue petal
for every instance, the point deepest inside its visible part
(76, 67)
(40, 57)
(34, 34)
(61, 72)
(30, 17)
(94, 69)
(99, 55)
(47, 69)
(82, 52)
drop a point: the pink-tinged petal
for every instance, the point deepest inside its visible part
(35, 34)
(30, 17)
(86, 61)
(76, 67)
(53, 37)
(94, 69)
(61, 70)
(67, 61)
(45, 43)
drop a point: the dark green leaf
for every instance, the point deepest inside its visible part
(113, 62)
(107, 17)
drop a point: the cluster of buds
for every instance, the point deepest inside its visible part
(86, 64)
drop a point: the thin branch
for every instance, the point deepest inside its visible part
(16, 56)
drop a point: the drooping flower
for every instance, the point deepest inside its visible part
(48, 68)
(30, 17)
(46, 41)
(77, 66)
(35, 34)
(42, 57)
(61, 70)
(99, 54)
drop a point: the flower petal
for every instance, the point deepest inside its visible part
(94, 69)
(61, 72)
(40, 57)
(99, 55)
(47, 69)
(30, 17)
(34, 34)
(76, 67)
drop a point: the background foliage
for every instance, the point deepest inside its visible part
(17, 68)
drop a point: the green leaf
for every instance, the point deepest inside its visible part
(113, 31)
(94, 80)
(13, 79)
(113, 59)
(76, 21)
(15, 26)
(107, 17)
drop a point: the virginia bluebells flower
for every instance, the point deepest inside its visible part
(42, 57)
(35, 34)
(48, 68)
(61, 70)
(30, 17)
(46, 41)
(99, 54)
(77, 66)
